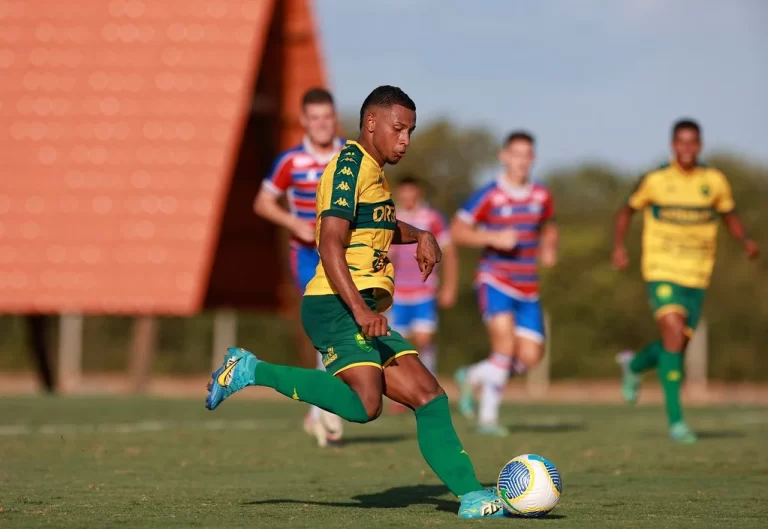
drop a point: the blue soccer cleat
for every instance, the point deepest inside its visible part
(236, 373)
(481, 504)
(466, 393)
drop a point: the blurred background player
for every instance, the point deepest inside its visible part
(414, 313)
(296, 173)
(681, 201)
(512, 220)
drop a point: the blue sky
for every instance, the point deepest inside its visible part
(594, 79)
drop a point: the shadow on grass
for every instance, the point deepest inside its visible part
(720, 434)
(394, 498)
(563, 427)
(377, 439)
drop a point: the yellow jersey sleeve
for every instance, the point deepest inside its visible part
(724, 198)
(339, 186)
(641, 196)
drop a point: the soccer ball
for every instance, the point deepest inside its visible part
(529, 485)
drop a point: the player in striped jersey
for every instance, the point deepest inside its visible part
(296, 173)
(512, 220)
(414, 313)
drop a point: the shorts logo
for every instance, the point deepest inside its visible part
(363, 343)
(341, 201)
(329, 357)
(380, 260)
(664, 291)
(343, 186)
(346, 171)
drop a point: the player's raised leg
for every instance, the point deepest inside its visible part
(407, 381)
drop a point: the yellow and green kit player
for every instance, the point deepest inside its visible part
(681, 202)
(343, 304)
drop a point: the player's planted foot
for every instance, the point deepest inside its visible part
(630, 381)
(492, 430)
(481, 504)
(466, 393)
(236, 373)
(680, 433)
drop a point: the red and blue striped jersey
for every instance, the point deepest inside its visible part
(526, 209)
(409, 288)
(296, 172)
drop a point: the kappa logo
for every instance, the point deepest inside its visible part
(348, 159)
(346, 171)
(343, 186)
(341, 201)
(329, 357)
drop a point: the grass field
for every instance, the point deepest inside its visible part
(136, 463)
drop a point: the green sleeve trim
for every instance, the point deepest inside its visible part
(338, 213)
(344, 184)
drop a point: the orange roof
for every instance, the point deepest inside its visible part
(120, 122)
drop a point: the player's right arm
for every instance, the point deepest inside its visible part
(638, 199)
(266, 204)
(338, 195)
(465, 229)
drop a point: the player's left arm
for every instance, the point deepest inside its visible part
(549, 235)
(428, 252)
(726, 206)
(449, 267)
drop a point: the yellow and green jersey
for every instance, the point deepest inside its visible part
(353, 187)
(680, 222)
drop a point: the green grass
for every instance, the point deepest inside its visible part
(135, 463)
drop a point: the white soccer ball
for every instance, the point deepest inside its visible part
(529, 485)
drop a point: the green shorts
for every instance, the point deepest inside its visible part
(666, 297)
(333, 331)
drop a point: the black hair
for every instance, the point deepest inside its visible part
(410, 180)
(519, 135)
(685, 124)
(386, 96)
(315, 96)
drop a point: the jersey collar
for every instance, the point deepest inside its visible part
(365, 153)
(322, 159)
(512, 191)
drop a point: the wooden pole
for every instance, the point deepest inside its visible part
(70, 350)
(537, 381)
(696, 358)
(224, 335)
(142, 352)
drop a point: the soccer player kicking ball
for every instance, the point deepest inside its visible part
(681, 201)
(297, 172)
(342, 306)
(512, 220)
(414, 313)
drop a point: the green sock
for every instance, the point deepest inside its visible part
(442, 449)
(313, 386)
(646, 358)
(671, 377)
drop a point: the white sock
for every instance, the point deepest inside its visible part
(314, 411)
(494, 377)
(428, 357)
